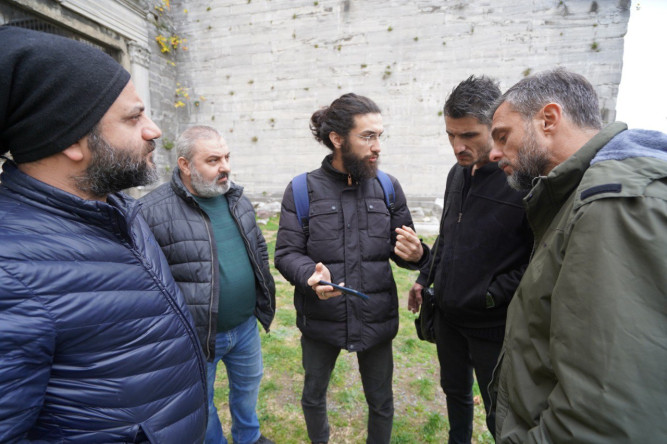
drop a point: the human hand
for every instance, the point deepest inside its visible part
(408, 246)
(415, 297)
(322, 273)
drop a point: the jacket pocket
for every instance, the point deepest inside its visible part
(378, 218)
(324, 221)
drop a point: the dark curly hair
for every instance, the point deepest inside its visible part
(339, 117)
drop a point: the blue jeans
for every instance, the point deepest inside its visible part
(240, 350)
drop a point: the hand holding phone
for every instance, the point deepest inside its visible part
(345, 290)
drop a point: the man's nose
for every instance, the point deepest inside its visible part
(458, 146)
(224, 166)
(496, 154)
(151, 130)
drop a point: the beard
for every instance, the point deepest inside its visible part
(532, 161)
(113, 169)
(359, 168)
(208, 188)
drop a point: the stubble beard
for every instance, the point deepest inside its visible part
(532, 161)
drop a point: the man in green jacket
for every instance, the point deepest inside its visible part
(585, 351)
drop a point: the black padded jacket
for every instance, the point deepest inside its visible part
(352, 232)
(184, 233)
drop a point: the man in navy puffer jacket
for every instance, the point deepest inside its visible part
(96, 343)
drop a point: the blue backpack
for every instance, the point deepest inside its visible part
(302, 203)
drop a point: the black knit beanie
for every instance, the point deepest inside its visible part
(53, 91)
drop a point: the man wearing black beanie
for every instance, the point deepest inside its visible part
(96, 342)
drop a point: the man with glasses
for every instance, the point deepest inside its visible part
(479, 257)
(351, 233)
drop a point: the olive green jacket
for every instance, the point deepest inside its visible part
(585, 351)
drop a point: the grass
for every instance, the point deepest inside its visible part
(420, 409)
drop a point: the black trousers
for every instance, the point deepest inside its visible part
(376, 366)
(459, 352)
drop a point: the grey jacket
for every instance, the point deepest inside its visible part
(184, 233)
(586, 340)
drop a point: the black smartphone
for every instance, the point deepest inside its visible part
(345, 290)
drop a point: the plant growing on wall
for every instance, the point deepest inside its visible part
(166, 39)
(169, 41)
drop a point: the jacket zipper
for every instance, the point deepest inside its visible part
(252, 256)
(213, 271)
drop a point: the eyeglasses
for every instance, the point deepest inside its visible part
(372, 138)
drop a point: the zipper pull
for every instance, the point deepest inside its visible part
(460, 216)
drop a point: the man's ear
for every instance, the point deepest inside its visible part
(75, 152)
(551, 114)
(184, 166)
(336, 139)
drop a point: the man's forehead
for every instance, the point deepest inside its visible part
(504, 112)
(368, 122)
(505, 117)
(464, 124)
(215, 146)
(128, 101)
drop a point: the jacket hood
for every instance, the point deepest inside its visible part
(634, 143)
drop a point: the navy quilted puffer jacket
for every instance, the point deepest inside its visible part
(96, 343)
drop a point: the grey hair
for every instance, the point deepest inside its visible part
(185, 143)
(473, 97)
(571, 91)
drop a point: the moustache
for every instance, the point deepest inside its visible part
(150, 146)
(222, 176)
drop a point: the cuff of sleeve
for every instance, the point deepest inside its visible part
(425, 260)
(423, 280)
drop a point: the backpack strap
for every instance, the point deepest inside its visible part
(301, 200)
(388, 189)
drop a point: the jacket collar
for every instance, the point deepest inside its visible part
(550, 192)
(484, 171)
(331, 171)
(118, 206)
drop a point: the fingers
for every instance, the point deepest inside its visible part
(408, 246)
(415, 297)
(322, 273)
(327, 291)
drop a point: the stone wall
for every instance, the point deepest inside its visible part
(259, 68)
